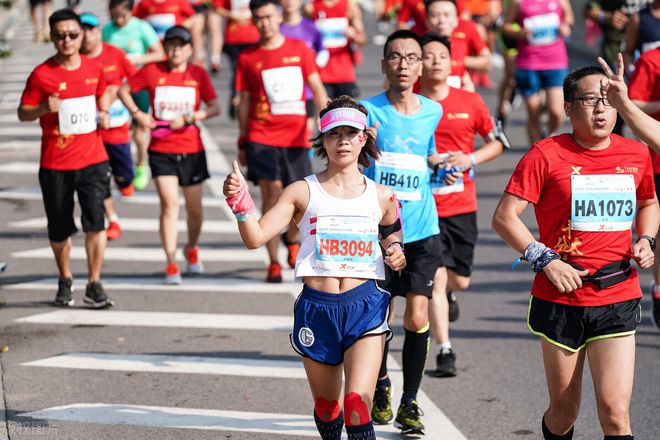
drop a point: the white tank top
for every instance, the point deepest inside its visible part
(339, 237)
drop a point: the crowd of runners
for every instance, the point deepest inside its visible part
(394, 210)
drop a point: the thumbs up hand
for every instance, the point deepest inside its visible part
(233, 182)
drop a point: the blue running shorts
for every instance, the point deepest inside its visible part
(327, 324)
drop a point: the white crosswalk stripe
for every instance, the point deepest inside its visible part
(131, 224)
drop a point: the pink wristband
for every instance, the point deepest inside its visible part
(241, 204)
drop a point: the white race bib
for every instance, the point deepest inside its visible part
(77, 115)
(170, 102)
(649, 46)
(333, 31)
(440, 188)
(119, 114)
(284, 88)
(404, 173)
(348, 243)
(544, 27)
(454, 81)
(603, 202)
(161, 23)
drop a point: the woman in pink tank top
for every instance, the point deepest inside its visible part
(540, 27)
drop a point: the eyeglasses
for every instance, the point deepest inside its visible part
(592, 101)
(395, 58)
(71, 35)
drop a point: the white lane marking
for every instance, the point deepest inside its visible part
(138, 224)
(191, 418)
(140, 198)
(24, 146)
(20, 167)
(152, 363)
(162, 319)
(192, 284)
(9, 117)
(238, 255)
(22, 130)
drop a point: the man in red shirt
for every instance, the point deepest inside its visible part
(66, 93)
(341, 27)
(274, 140)
(587, 188)
(644, 90)
(117, 139)
(465, 115)
(469, 52)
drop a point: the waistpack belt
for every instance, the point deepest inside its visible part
(608, 275)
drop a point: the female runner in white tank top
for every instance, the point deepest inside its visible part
(349, 229)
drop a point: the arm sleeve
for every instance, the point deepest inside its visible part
(149, 35)
(105, 80)
(128, 69)
(484, 124)
(139, 81)
(475, 43)
(529, 176)
(33, 94)
(207, 91)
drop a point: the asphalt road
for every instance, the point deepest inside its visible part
(211, 359)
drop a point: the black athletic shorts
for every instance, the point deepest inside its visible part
(201, 8)
(656, 178)
(57, 187)
(573, 327)
(310, 109)
(459, 236)
(335, 90)
(274, 163)
(189, 168)
(121, 163)
(423, 257)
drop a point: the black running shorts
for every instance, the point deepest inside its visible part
(274, 163)
(459, 236)
(191, 168)
(57, 187)
(573, 327)
(423, 257)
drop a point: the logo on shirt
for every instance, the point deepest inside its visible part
(61, 87)
(89, 81)
(626, 170)
(402, 145)
(576, 171)
(306, 337)
(191, 83)
(161, 80)
(458, 116)
(291, 60)
(110, 68)
(567, 244)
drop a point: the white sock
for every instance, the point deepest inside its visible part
(113, 218)
(443, 346)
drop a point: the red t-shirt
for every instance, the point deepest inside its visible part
(235, 32)
(117, 68)
(163, 14)
(81, 145)
(416, 11)
(174, 94)
(464, 115)
(645, 86)
(275, 79)
(552, 176)
(331, 22)
(465, 41)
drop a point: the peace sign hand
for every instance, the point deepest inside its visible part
(614, 87)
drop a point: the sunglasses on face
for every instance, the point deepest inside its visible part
(70, 35)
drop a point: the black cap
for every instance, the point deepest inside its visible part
(178, 33)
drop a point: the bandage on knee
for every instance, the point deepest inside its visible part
(327, 410)
(241, 204)
(353, 402)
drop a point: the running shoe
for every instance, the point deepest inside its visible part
(64, 297)
(95, 296)
(3, 266)
(114, 230)
(445, 363)
(381, 412)
(453, 306)
(192, 257)
(127, 191)
(172, 274)
(274, 273)
(215, 64)
(141, 179)
(292, 247)
(409, 418)
(655, 305)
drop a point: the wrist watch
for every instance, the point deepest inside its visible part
(650, 239)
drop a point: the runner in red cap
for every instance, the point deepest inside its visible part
(67, 93)
(117, 139)
(176, 153)
(274, 139)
